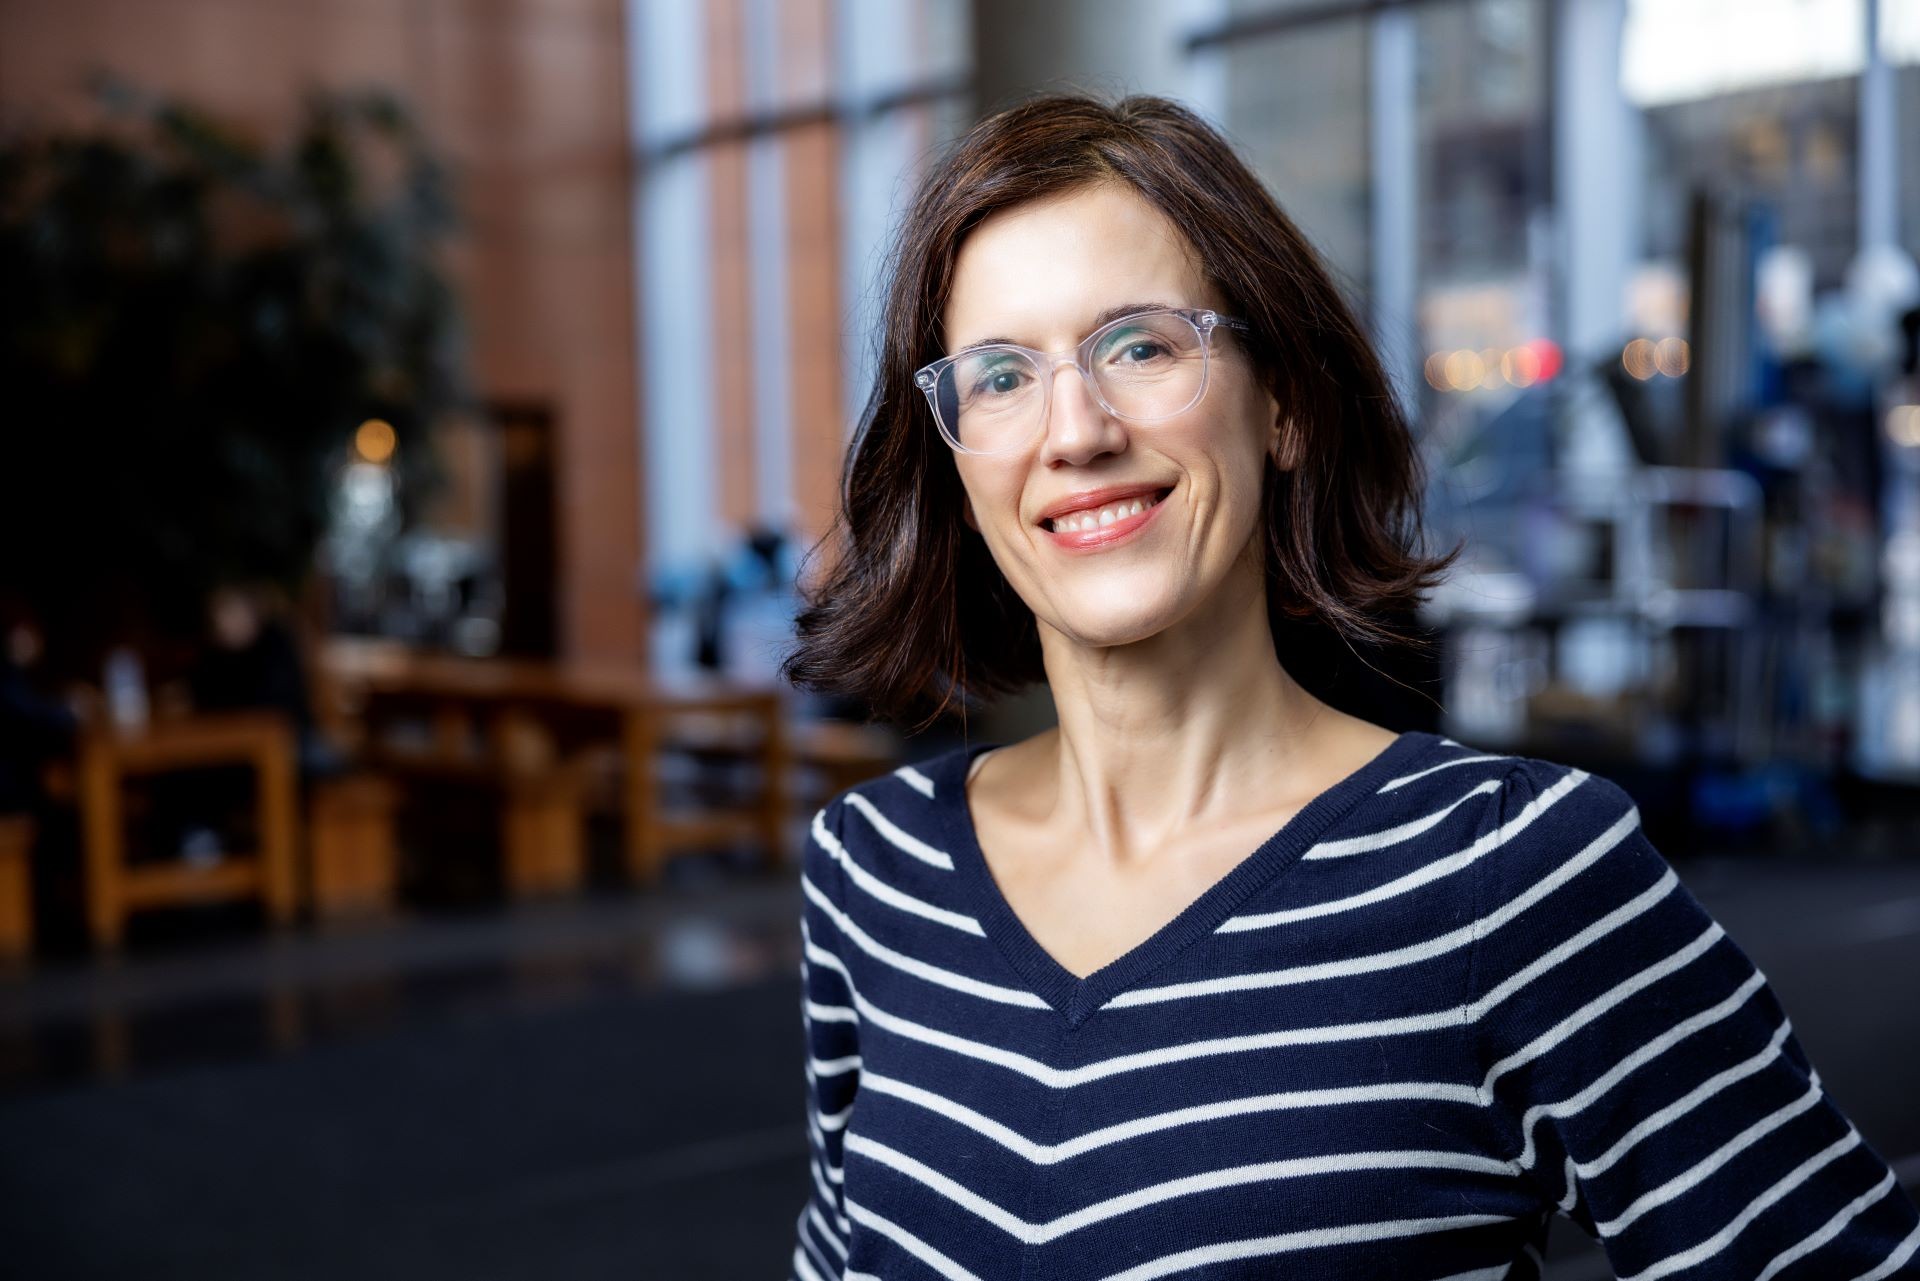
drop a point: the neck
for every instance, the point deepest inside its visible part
(1178, 729)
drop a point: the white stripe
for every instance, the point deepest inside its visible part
(910, 1243)
(802, 1268)
(1420, 876)
(918, 968)
(1694, 1097)
(1404, 779)
(835, 1174)
(1692, 1177)
(1901, 1253)
(1159, 1193)
(1589, 1012)
(1415, 953)
(886, 893)
(1454, 1017)
(1719, 1240)
(1066, 1078)
(1645, 1054)
(896, 837)
(1370, 841)
(1055, 1153)
(830, 1013)
(1257, 1247)
(1828, 1230)
(827, 1231)
(824, 1187)
(916, 780)
(813, 952)
(834, 1067)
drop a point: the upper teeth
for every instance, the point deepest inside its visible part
(1074, 521)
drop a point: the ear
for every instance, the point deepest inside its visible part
(1283, 440)
(966, 512)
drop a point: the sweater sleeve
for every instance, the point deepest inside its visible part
(831, 1059)
(1644, 1074)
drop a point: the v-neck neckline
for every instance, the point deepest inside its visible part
(1075, 997)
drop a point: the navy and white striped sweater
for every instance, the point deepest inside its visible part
(1457, 993)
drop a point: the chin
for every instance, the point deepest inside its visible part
(1123, 621)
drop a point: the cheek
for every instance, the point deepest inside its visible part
(989, 500)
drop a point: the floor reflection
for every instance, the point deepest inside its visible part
(161, 1007)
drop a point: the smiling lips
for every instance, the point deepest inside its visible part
(1091, 526)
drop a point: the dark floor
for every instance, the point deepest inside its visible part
(608, 1087)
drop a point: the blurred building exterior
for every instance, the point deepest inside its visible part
(1595, 239)
(526, 102)
(1643, 272)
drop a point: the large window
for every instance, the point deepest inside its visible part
(1483, 185)
(777, 141)
(1296, 102)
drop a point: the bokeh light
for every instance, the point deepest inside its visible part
(374, 440)
(1638, 359)
(1672, 356)
(1903, 426)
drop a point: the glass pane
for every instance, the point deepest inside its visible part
(1296, 103)
(1906, 96)
(1482, 112)
(1789, 146)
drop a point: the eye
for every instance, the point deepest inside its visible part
(1002, 378)
(1135, 346)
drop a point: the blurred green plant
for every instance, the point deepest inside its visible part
(192, 327)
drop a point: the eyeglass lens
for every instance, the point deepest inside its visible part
(1146, 367)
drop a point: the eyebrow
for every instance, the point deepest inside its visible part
(1106, 317)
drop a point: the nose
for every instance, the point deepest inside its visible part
(1079, 429)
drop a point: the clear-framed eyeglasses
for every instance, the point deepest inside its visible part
(1144, 368)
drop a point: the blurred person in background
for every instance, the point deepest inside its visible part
(1214, 978)
(248, 660)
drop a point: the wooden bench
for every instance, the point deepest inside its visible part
(542, 812)
(352, 857)
(110, 757)
(468, 709)
(16, 887)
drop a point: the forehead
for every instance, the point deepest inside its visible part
(1039, 273)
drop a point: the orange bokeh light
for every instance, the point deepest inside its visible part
(374, 440)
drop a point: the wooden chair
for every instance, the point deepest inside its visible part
(109, 758)
(352, 857)
(542, 818)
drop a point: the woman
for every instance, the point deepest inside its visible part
(1213, 979)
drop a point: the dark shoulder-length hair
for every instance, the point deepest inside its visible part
(912, 614)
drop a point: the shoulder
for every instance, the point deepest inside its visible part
(1549, 823)
(1540, 798)
(1509, 820)
(908, 812)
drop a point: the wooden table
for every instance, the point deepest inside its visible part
(109, 757)
(621, 705)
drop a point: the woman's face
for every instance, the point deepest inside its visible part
(1042, 275)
